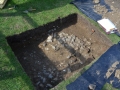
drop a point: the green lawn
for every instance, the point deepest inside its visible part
(12, 75)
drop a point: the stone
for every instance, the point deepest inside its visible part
(72, 45)
(60, 34)
(55, 35)
(69, 56)
(114, 65)
(84, 39)
(49, 39)
(81, 49)
(77, 40)
(92, 87)
(98, 72)
(63, 39)
(25, 58)
(26, 11)
(38, 83)
(81, 43)
(113, 2)
(72, 60)
(55, 79)
(57, 48)
(96, 1)
(88, 43)
(68, 70)
(110, 72)
(49, 85)
(46, 49)
(80, 61)
(41, 85)
(60, 41)
(73, 39)
(53, 47)
(50, 76)
(88, 50)
(76, 48)
(111, 82)
(44, 44)
(54, 39)
(117, 74)
(64, 70)
(44, 80)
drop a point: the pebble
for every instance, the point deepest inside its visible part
(38, 83)
(44, 44)
(50, 76)
(117, 73)
(55, 79)
(92, 87)
(44, 80)
(46, 49)
(25, 58)
(49, 85)
(69, 56)
(96, 1)
(68, 70)
(41, 85)
(88, 43)
(53, 47)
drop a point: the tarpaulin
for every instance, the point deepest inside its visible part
(87, 7)
(96, 74)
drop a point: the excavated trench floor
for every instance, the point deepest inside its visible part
(51, 53)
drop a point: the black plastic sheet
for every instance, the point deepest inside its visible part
(87, 7)
(90, 76)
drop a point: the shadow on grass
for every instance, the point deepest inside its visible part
(10, 69)
(39, 5)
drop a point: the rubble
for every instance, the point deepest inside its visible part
(71, 48)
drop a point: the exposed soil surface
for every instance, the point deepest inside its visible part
(53, 52)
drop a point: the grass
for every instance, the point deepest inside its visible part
(12, 75)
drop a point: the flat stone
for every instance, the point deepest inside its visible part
(81, 43)
(41, 85)
(92, 87)
(110, 72)
(117, 73)
(53, 47)
(44, 80)
(88, 43)
(96, 1)
(60, 34)
(49, 85)
(84, 39)
(26, 11)
(38, 83)
(114, 65)
(49, 39)
(44, 44)
(69, 56)
(72, 60)
(50, 76)
(55, 79)
(68, 70)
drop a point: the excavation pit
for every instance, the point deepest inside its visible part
(53, 52)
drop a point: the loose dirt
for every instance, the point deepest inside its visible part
(53, 52)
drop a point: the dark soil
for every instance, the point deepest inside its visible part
(53, 52)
